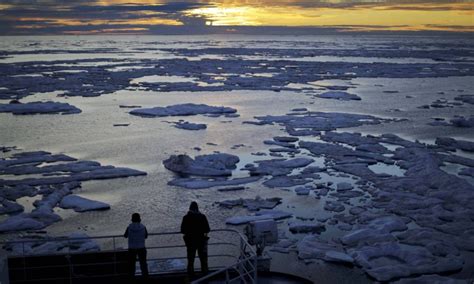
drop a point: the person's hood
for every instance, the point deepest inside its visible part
(192, 212)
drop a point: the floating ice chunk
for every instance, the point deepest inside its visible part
(334, 206)
(81, 204)
(461, 121)
(366, 235)
(19, 223)
(261, 215)
(190, 126)
(336, 256)
(465, 99)
(467, 172)
(306, 227)
(39, 108)
(194, 183)
(389, 261)
(9, 207)
(336, 95)
(240, 220)
(220, 164)
(302, 190)
(289, 181)
(283, 246)
(276, 214)
(343, 186)
(319, 121)
(252, 204)
(232, 188)
(182, 110)
(457, 144)
(311, 247)
(279, 167)
(388, 224)
(285, 139)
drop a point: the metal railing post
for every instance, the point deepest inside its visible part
(68, 257)
(24, 260)
(115, 256)
(255, 269)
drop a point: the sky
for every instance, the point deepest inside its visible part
(39, 17)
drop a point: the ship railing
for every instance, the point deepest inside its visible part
(231, 258)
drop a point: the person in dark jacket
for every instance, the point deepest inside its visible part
(136, 233)
(195, 229)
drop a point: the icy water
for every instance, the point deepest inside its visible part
(409, 79)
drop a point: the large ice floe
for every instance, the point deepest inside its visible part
(54, 177)
(38, 108)
(205, 165)
(183, 110)
(337, 95)
(312, 123)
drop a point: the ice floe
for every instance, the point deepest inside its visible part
(220, 164)
(306, 227)
(182, 110)
(252, 204)
(81, 204)
(189, 125)
(337, 95)
(259, 215)
(39, 108)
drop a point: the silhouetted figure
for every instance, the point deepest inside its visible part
(136, 233)
(195, 229)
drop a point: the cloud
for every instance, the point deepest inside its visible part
(56, 17)
(82, 16)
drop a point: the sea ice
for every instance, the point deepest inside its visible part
(39, 108)
(190, 126)
(204, 165)
(337, 95)
(260, 215)
(81, 204)
(182, 110)
(387, 261)
(306, 227)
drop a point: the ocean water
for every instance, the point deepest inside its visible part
(168, 70)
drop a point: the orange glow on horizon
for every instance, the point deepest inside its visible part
(401, 17)
(341, 14)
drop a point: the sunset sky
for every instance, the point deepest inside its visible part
(198, 16)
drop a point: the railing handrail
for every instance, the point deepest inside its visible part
(247, 252)
(65, 238)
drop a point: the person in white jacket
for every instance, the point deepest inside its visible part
(136, 233)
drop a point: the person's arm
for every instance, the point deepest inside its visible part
(146, 233)
(207, 229)
(126, 233)
(183, 225)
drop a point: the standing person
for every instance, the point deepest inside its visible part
(136, 233)
(195, 229)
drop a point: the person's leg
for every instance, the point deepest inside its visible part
(132, 256)
(143, 263)
(191, 253)
(202, 252)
